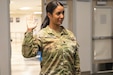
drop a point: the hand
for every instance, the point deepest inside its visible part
(30, 27)
(31, 23)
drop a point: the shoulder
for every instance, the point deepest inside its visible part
(69, 32)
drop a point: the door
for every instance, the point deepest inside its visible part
(102, 35)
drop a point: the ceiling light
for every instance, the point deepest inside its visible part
(25, 8)
(37, 12)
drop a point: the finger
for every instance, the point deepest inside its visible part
(34, 27)
(26, 24)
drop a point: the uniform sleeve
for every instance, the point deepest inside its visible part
(76, 56)
(30, 45)
(77, 63)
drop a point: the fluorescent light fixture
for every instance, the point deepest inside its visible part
(25, 8)
(37, 12)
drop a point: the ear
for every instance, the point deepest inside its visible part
(49, 15)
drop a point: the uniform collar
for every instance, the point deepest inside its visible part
(51, 31)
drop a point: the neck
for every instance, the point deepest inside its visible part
(57, 28)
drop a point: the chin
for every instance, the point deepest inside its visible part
(60, 23)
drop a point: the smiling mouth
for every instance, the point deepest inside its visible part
(61, 20)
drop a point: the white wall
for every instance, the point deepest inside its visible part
(22, 25)
(82, 30)
(18, 29)
(5, 60)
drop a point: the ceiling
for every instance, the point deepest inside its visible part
(34, 6)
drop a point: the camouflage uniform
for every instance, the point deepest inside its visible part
(59, 51)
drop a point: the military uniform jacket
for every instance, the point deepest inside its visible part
(59, 51)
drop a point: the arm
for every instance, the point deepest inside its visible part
(29, 46)
(76, 55)
(77, 63)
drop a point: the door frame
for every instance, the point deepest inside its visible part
(5, 52)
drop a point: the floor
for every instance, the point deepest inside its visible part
(21, 65)
(27, 66)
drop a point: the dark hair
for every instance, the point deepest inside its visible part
(50, 8)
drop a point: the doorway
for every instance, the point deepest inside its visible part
(23, 12)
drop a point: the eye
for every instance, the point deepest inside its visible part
(58, 13)
(63, 12)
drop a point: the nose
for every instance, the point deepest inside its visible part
(62, 16)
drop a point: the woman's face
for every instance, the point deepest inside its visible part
(56, 18)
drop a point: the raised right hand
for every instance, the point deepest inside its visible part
(31, 23)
